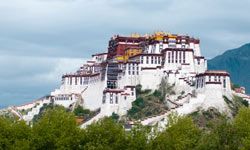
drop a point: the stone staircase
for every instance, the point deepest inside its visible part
(34, 111)
(16, 112)
(97, 117)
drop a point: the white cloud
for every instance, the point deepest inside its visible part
(27, 78)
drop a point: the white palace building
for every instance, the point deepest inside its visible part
(107, 81)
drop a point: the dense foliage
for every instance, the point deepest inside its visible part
(57, 129)
(149, 103)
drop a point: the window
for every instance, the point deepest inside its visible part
(104, 98)
(171, 45)
(132, 93)
(198, 83)
(81, 80)
(169, 53)
(159, 60)
(152, 59)
(116, 99)
(125, 97)
(209, 78)
(156, 60)
(224, 82)
(111, 98)
(202, 82)
(161, 46)
(176, 56)
(184, 57)
(141, 59)
(215, 78)
(147, 60)
(180, 57)
(70, 80)
(198, 61)
(172, 57)
(129, 69)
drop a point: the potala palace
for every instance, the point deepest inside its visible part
(107, 81)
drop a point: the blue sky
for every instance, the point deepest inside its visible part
(42, 39)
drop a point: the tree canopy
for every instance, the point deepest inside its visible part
(57, 129)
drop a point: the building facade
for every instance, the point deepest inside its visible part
(108, 80)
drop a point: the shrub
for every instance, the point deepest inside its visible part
(115, 116)
(157, 93)
(139, 102)
(79, 111)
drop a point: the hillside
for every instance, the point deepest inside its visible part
(236, 62)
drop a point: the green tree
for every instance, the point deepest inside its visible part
(56, 129)
(242, 125)
(14, 134)
(115, 117)
(138, 138)
(5, 133)
(105, 135)
(221, 135)
(181, 134)
(79, 111)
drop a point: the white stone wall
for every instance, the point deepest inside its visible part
(197, 51)
(200, 65)
(92, 96)
(64, 103)
(150, 79)
(26, 106)
(98, 58)
(117, 102)
(65, 100)
(76, 87)
(214, 97)
(91, 92)
(214, 91)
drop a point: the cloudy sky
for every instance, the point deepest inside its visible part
(41, 39)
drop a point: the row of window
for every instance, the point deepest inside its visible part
(171, 44)
(81, 80)
(201, 82)
(63, 98)
(111, 84)
(216, 78)
(133, 69)
(151, 59)
(111, 100)
(176, 57)
(152, 49)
